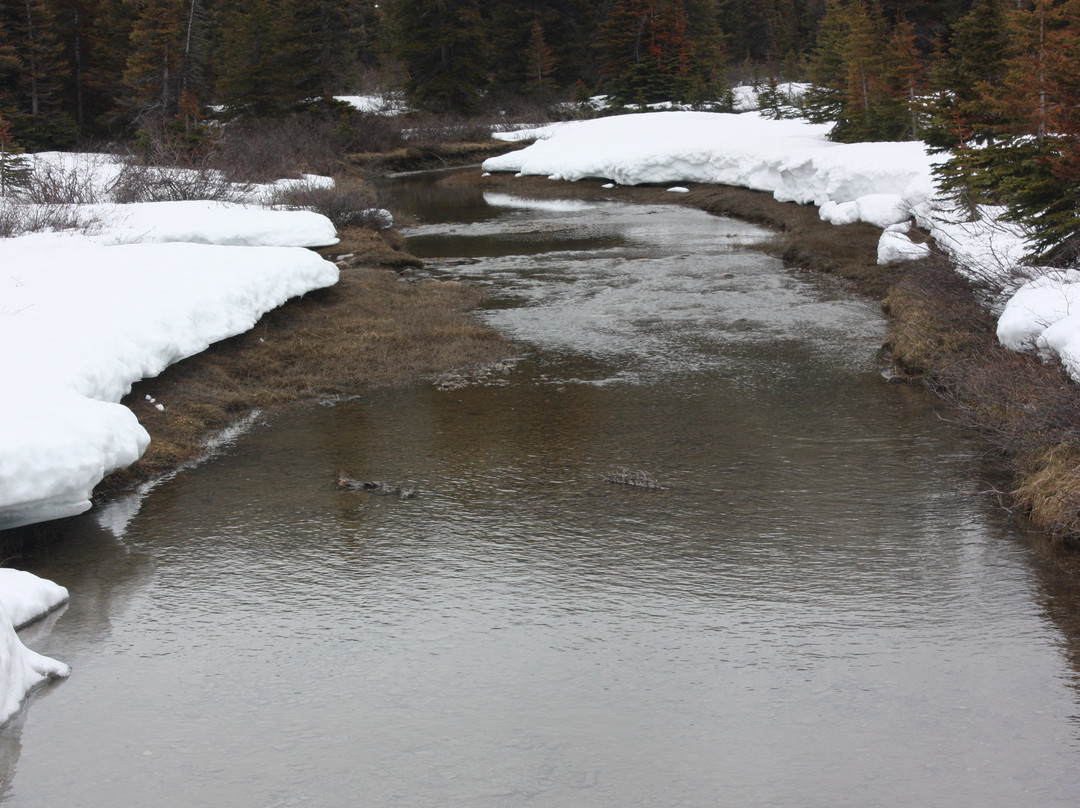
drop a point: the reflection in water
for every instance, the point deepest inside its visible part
(812, 613)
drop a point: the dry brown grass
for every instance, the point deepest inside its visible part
(1028, 411)
(371, 329)
(933, 315)
(1047, 488)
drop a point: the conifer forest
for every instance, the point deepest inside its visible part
(994, 81)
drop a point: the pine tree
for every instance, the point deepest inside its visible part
(966, 77)
(14, 169)
(253, 68)
(903, 110)
(1039, 169)
(1029, 160)
(11, 68)
(443, 46)
(155, 67)
(568, 28)
(108, 45)
(539, 60)
(662, 50)
(321, 41)
(36, 115)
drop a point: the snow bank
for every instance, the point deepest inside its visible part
(1044, 315)
(84, 316)
(23, 598)
(792, 160)
(223, 223)
(375, 104)
(81, 321)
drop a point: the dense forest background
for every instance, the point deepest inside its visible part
(73, 69)
(995, 81)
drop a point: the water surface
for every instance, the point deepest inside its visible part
(815, 611)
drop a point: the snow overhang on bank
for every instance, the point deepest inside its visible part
(84, 316)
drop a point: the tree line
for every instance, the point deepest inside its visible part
(994, 81)
(72, 69)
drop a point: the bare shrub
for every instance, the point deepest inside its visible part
(436, 130)
(351, 204)
(142, 183)
(75, 182)
(369, 132)
(18, 218)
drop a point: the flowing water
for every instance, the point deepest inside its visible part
(813, 611)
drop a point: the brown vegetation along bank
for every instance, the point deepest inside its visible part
(373, 328)
(939, 335)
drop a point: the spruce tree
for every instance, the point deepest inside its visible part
(966, 77)
(662, 50)
(253, 67)
(903, 110)
(1039, 166)
(36, 116)
(14, 169)
(322, 45)
(539, 60)
(108, 46)
(443, 46)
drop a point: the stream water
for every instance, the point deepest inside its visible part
(814, 611)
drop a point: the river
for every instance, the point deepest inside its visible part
(814, 608)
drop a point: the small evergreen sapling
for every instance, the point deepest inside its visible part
(14, 167)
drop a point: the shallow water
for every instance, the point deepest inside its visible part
(814, 611)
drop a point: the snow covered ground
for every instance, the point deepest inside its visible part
(889, 185)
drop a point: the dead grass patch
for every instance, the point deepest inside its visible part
(372, 329)
(1048, 489)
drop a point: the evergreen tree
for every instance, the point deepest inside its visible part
(162, 59)
(969, 74)
(14, 170)
(443, 46)
(36, 116)
(1039, 166)
(322, 43)
(1029, 160)
(865, 78)
(903, 110)
(11, 69)
(539, 60)
(662, 50)
(253, 69)
(108, 46)
(569, 33)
